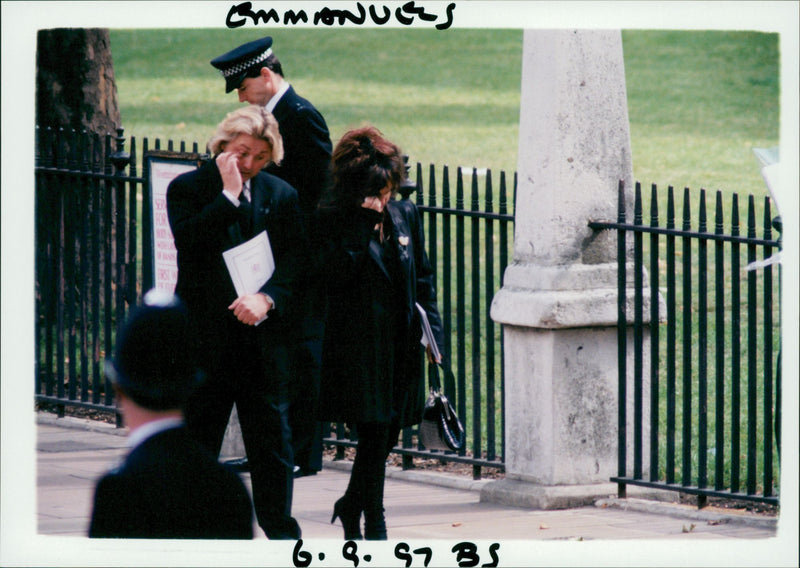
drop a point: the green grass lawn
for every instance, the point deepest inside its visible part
(698, 101)
(445, 98)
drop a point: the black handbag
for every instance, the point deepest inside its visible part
(440, 428)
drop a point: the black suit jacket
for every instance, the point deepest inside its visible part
(171, 487)
(205, 223)
(306, 167)
(307, 149)
(357, 383)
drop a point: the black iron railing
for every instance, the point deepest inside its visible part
(729, 413)
(85, 261)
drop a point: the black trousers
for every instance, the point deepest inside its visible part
(253, 374)
(304, 398)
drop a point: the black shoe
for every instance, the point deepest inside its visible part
(303, 472)
(285, 529)
(350, 516)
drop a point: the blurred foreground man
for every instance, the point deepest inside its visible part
(169, 486)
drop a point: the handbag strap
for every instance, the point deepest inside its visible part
(444, 365)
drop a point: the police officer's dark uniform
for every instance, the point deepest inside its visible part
(168, 486)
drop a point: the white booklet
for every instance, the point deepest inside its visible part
(250, 265)
(427, 333)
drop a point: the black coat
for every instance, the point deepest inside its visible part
(306, 149)
(205, 223)
(171, 487)
(371, 373)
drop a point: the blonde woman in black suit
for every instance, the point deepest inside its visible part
(211, 209)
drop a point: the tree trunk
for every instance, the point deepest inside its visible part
(75, 86)
(76, 91)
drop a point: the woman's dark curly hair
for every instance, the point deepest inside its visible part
(364, 163)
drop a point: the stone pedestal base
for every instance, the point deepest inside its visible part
(561, 405)
(519, 493)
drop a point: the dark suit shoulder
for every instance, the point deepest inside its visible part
(292, 107)
(207, 170)
(206, 175)
(295, 102)
(342, 218)
(279, 188)
(171, 487)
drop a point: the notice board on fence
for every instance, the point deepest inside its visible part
(162, 166)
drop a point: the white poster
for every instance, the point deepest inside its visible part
(165, 257)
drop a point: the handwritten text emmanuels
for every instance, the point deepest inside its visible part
(408, 14)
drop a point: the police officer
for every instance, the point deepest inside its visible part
(168, 486)
(253, 70)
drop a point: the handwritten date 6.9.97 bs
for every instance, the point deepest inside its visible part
(463, 553)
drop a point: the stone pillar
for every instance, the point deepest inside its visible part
(558, 304)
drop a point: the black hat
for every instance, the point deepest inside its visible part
(153, 361)
(235, 64)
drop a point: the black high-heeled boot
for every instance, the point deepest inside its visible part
(350, 515)
(375, 525)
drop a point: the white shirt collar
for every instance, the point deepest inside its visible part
(149, 429)
(270, 106)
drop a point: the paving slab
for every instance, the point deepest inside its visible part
(420, 507)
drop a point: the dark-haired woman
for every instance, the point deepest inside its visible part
(376, 271)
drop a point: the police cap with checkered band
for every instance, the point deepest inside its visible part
(235, 64)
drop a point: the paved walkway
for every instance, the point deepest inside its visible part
(72, 454)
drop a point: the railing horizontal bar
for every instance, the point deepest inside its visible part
(429, 454)
(89, 174)
(466, 213)
(600, 225)
(692, 490)
(75, 402)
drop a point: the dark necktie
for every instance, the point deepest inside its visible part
(245, 216)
